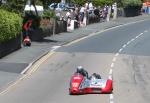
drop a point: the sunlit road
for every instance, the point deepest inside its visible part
(127, 47)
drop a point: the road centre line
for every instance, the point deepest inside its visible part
(124, 46)
(137, 36)
(145, 31)
(114, 59)
(120, 50)
(111, 96)
(112, 65)
(128, 42)
(140, 34)
(110, 71)
(117, 54)
(132, 39)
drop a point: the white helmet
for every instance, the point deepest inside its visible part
(79, 69)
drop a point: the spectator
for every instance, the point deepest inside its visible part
(86, 5)
(82, 14)
(77, 13)
(90, 6)
(68, 18)
(97, 12)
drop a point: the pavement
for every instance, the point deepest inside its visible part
(13, 65)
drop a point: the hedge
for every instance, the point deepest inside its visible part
(10, 25)
(131, 3)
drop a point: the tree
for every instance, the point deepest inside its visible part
(102, 2)
(14, 5)
(131, 3)
(79, 2)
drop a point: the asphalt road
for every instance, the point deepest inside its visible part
(126, 47)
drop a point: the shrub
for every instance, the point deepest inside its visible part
(10, 25)
(102, 2)
(131, 3)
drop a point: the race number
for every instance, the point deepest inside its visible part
(75, 84)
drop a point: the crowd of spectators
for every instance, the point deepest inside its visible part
(81, 14)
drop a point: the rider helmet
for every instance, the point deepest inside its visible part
(79, 69)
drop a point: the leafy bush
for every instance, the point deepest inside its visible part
(102, 2)
(49, 13)
(10, 25)
(131, 3)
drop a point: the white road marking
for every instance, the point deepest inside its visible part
(124, 46)
(110, 77)
(114, 59)
(137, 36)
(120, 50)
(111, 96)
(145, 31)
(26, 69)
(117, 54)
(101, 31)
(132, 40)
(112, 65)
(141, 34)
(128, 42)
(55, 47)
(110, 71)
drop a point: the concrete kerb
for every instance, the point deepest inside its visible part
(33, 62)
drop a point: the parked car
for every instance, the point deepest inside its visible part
(57, 6)
(60, 6)
(52, 6)
(70, 6)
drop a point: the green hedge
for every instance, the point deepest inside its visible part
(10, 25)
(131, 3)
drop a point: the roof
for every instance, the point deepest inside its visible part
(31, 8)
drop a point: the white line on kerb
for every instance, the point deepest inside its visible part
(23, 72)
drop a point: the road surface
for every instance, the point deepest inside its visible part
(124, 50)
